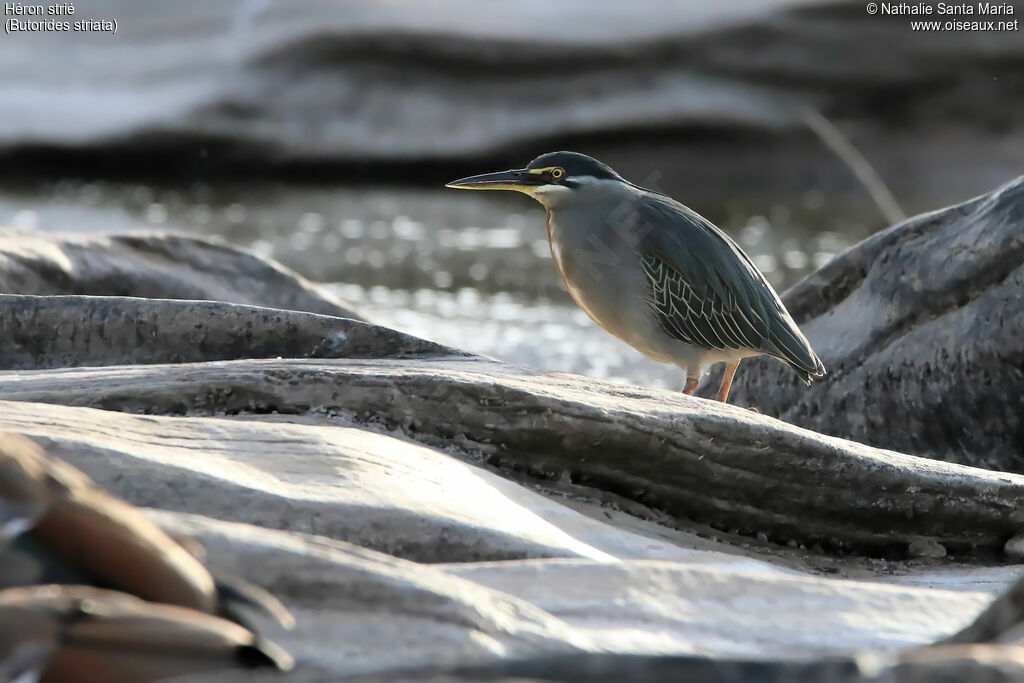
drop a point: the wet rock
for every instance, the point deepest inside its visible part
(921, 328)
(158, 265)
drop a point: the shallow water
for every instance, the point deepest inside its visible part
(471, 270)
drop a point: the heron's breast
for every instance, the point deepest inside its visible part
(598, 280)
(609, 288)
(560, 253)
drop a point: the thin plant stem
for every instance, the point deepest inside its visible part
(855, 161)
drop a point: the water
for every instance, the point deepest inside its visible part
(467, 269)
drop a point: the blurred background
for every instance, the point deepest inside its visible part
(321, 133)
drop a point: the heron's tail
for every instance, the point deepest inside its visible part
(791, 347)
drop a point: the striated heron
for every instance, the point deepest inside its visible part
(654, 273)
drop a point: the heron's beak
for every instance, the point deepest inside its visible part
(520, 180)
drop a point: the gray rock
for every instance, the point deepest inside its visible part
(1015, 547)
(926, 548)
(158, 265)
(280, 466)
(932, 665)
(695, 460)
(295, 497)
(72, 331)
(318, 82)
(921, 328)
(1001, 622)
(340, 482)
(359, 611)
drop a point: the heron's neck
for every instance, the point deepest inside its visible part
(594, 198)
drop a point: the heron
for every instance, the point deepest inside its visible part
(653, 272)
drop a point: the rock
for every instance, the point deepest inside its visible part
(921, 328)
(320, 84)
(94, 330)
(359, 611)
(280, 505)
(158, 265)
(954, 664)
(931, 665)
(1000, 623)
(340, 482)
(926, 547)
(358, 478)
(1015, 547)
(696, 461)
(651, 599)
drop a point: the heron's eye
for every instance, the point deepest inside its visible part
(557, 173)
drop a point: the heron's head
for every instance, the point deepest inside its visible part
(552, 179)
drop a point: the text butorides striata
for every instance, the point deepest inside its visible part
(653, 272)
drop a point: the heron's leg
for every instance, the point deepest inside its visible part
(730, 372)
(692, 379)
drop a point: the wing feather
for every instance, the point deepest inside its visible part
(706, 292)
(708, 325)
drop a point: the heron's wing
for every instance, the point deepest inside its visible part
(697, 316)
(705, 290)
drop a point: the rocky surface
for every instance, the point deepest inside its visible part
(921, 328)
(933, 665)
(366, 493)
(158, 265)
(99, 330)
(692, 460)
(717, 465)
(431, 514)
(315, 83)
(311, 510)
